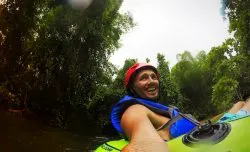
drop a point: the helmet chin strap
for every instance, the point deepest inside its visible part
(133, 92)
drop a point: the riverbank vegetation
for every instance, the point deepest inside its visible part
(54, 62)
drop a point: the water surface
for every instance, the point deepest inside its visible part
(25, 135)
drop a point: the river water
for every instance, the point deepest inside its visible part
(19, 134)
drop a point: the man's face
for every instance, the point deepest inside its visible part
(146, 84)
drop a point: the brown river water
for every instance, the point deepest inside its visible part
(20, 134)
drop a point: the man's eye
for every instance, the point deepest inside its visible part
(144, 77)
(154, 77)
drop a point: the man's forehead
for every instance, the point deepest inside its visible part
(146, 71)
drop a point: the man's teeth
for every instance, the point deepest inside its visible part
(151, 89)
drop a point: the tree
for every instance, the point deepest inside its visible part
(17, 21)
(169, 93)
(63, 60)
(107, 95)
(223, 93)
(192, 78)
(238, 13)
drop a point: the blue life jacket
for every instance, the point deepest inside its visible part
(178, 125)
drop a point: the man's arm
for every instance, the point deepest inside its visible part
(141, 132)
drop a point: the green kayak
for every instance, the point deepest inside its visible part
(219, 137)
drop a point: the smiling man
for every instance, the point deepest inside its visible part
(146, 85)
(140, 119)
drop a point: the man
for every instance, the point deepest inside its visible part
(146, 123)
(140, 118)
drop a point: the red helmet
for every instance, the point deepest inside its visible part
(136, 67)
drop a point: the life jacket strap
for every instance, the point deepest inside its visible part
(178, 117)
(169, 122)
(191, 118)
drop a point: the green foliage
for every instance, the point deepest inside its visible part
(194, 81)
(169, 93)
(226, 67)
(238, 13)
(57, 57)
(107, 95)
(223, 92)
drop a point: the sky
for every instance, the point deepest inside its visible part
(170, 27)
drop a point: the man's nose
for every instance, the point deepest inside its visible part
(150, 79)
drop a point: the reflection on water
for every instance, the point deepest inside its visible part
(22, 135)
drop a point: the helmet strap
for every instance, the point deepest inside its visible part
(132, 92)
